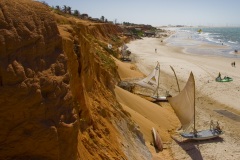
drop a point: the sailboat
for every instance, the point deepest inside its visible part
(184, 107)
(152, 81)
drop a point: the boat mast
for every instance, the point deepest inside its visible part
(194, 117)
(158, 78)
(176, 78)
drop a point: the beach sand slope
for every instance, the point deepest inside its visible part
(214, 101)
(147, 114)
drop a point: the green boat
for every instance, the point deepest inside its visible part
(225, 79)
(200, 31)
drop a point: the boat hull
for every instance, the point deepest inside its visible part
(225, 79)
(157, 140)
(126, 59)
(203, 135)
(163, 99)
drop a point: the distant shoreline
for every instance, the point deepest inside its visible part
(206, 43)
(205, 68)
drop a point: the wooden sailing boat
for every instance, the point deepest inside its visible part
(157, 140)
(184, 107)
(152, 81)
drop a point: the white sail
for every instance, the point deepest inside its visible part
(184, 107)
(184, 103)
(151, 81)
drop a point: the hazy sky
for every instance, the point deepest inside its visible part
(160, 12)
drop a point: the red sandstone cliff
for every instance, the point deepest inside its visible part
(56, 85)
(37, 108)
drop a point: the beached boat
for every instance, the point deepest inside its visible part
(152, 82)
(125, 53)
(157, 140)
(184, 107)
(225, 79)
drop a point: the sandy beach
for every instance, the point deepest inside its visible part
(214, 101)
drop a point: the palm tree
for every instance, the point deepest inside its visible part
(58, 8)
(69, 10)
(76, 13)
(102, 18)
(65, 9)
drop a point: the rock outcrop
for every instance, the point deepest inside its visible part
(57, 99)
(37, 110)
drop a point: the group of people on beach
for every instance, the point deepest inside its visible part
(233, 64)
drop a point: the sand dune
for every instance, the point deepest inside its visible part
(127, 70)
(146, 114)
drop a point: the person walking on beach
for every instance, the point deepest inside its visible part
(155, 50)
(219, 75)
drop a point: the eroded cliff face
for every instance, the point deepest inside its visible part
(56, 85)
(36, 105)
(105, 130)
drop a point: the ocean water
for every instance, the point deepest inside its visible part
(226, 40)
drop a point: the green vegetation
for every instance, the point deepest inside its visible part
(104, 46)
(106, 60)
(111, 52)
(137, 32)
(116, 40)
